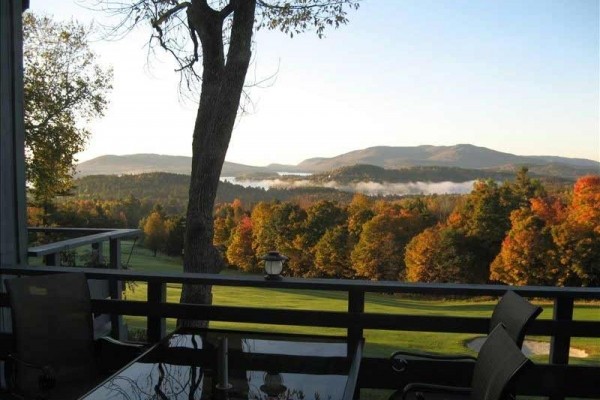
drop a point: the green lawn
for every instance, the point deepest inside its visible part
(379, 343)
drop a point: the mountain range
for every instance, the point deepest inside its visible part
(461, 156)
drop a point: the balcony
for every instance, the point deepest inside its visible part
(556, 379)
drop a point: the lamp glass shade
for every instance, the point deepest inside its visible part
(273, 386)
(273, 267)
(273, 264)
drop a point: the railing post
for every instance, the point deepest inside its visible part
(52, 259)
(156, 326)
(115, 253)
(115, 288)
(96, 249)
(560, 342)
(356, 306)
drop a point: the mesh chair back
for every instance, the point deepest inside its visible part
(498, 363)
(515, 313)
(53, 328)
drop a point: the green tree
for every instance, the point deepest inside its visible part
(442, 254)
(175, 231)
(379, 253)
(524, 188)
(485, 217)
(287, 222)
(332, 254)
(321, 216)
(220, 34)
(64, 88)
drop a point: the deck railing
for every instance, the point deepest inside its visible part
(95, 238)
(556, 379)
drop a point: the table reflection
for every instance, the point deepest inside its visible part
(185, 367)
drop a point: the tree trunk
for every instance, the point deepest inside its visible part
(222, 85)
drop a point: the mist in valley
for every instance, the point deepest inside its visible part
(369, 188)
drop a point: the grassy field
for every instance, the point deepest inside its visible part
(378, 343)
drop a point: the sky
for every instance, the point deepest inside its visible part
(515, 76)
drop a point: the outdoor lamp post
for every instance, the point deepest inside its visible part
(274, 265)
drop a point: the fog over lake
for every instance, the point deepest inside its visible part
(369, 188)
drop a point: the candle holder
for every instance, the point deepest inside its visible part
(223, 365)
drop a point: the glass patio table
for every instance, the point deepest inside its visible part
(225, 364)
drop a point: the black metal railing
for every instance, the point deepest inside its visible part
(557, 379)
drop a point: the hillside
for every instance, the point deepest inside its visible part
(145, 163)
(372, 173)
(464, 156)
(171, 190)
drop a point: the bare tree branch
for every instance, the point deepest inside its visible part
(288, 6)
(166, 15)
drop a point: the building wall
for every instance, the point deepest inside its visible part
(13, 235)
(13, 228)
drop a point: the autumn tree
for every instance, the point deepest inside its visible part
(220, 34)
(224, 223)
(578, 237)
(64, 88)
(264, 238)
(240, 252)
(360, 210)
(155, 232)
(441, 206)
(527, 255)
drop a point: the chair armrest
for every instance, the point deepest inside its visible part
(46, 378)
(112, 354)
(421, 388)
(110, 342)
(399, 359)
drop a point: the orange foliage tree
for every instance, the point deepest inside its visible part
(240, 252)
(578, 238)
(550, 244)
(527, 256)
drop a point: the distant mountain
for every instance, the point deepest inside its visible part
(464, 156)
(461, 155)
(145, 163)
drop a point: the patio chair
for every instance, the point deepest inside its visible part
(498, 364)
(513, 311)
(55, 355)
